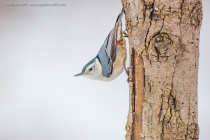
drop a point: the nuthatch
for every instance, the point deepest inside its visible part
(111, 58)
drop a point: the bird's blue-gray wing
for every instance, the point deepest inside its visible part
(107, 53)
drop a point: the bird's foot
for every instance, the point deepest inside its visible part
(125, 34)
(127, 71)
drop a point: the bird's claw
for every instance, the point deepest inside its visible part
(126, 35)
(127, 71)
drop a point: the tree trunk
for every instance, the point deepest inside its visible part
(163, 38)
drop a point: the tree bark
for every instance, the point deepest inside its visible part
(164, 53)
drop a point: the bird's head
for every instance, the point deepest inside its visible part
(90, 69)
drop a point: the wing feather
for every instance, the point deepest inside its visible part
(107, 53)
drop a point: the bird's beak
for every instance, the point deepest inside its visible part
(80, 74)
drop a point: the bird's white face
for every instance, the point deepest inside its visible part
(90, 70)
(94, 70)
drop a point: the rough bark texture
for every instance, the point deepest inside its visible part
(164, 51)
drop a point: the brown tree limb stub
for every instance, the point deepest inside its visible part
(134, 124)
(163, 38)
(139, 95)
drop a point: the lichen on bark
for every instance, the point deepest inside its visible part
(163, 39)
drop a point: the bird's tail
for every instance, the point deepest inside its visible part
(118, 26)
(120, 15)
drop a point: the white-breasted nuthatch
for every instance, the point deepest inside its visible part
(111, 58)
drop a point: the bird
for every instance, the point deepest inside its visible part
(110, 61)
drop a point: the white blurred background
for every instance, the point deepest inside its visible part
(41, 48)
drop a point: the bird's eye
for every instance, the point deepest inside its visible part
(90, 69)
